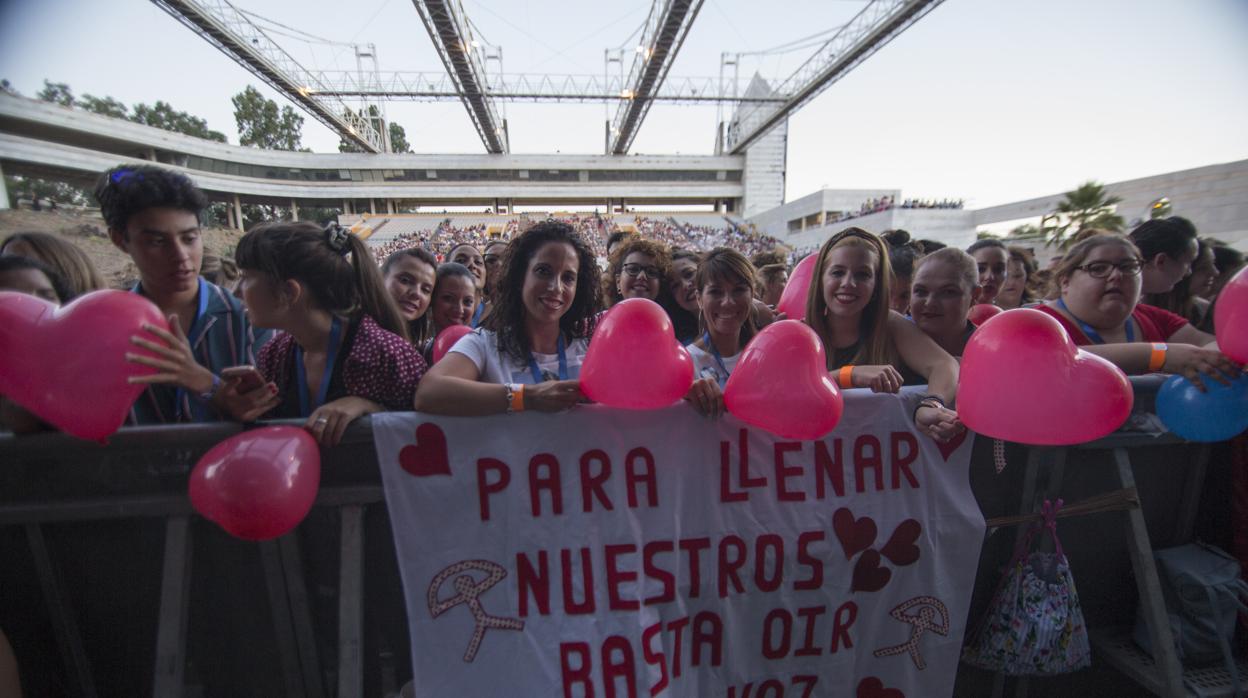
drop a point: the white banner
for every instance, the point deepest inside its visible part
(604, 552)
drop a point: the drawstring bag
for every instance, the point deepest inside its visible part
(1034, 625)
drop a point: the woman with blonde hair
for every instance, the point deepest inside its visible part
(65, 258)
(865, 341)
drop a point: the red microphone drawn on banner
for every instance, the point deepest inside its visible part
(929, 614)
(469, 591)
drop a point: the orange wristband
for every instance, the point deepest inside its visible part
(845, 377)
(517, 398)
(1158, 358)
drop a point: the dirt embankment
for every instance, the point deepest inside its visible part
(87, 231)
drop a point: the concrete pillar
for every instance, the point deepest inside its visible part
(372, 206)
(346, 207)
(390, 207)
(4, 193)
(151, 154)
(238, 213)
(294, 210)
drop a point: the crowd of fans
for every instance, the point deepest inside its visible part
(886, 203)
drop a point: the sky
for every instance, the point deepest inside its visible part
(989, 101)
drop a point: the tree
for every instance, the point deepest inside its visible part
(162, 115)
(1087, 206)
(398, 139)
(262, 124)
(57, 92)
(103, 105)
(35, 189)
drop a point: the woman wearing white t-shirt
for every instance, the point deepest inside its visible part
(528, 353)
(725, 282)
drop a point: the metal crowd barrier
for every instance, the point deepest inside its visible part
(110, 585)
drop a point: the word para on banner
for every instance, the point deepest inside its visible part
(801, 470)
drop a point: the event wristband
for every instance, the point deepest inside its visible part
(515, 397)
(933, 401)
(845, 377)
(212, 392)
(1158, 358)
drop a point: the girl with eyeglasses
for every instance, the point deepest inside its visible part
(869, 345)
(638, 269)
(528, 353)
(725, 293)
(1097, 288)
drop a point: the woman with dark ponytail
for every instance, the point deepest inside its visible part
(343, 349)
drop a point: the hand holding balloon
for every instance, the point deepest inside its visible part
(1194, 363)
(174, 361)
(1216, 414)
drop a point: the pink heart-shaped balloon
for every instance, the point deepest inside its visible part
(258, 484)
(634, 360)
(793, 300)
(781, 383)
(68, 366)
(1230, 317)
(447, 338)
(1024, 380)
(980, 312)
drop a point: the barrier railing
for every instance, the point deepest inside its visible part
(111, 585)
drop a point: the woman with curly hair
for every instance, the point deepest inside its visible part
(528, 353)
(638, 269)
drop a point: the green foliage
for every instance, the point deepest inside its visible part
(34, 189)
(398, 139)
(263, 125)
(103, 105)
(162, 115)
(1087, 206)
(57, 92)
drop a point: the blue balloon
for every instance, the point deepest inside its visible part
(1218, 414)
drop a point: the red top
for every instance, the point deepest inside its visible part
(1155, 324)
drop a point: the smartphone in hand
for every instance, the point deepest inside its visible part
(248, 378)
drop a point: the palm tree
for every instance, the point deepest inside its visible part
(1087, 206)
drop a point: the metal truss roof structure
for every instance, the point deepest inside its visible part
(520, 87)
(665, 30)
(445, 21)
(869, 30)
(225, 27)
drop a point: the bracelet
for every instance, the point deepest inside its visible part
(933, 401)
(515, 397)
(845, 377)
(212, 392)
(1157, 359)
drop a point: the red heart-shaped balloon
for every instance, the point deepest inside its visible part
(634, 360)
(855, 535)
(900, 548)
(447, 338)
(980, 312)
(1230, 317)
(868, 574)
(258, 484)
(428, 456)
(68, 366)
(793, 299)
(871, 687)
(1024, 380)
(781, 383)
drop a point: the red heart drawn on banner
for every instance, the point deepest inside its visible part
(781, 383)
(900, 548)
(855, 535)
(428, 456)
(872, 687)
(1072, 396)
(68, 366)
(868, 574)
(947, 448)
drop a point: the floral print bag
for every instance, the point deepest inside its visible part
(1034, 625)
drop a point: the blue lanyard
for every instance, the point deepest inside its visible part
(476, 315)
(1091, 333)
(718, 359)
(197, 329)
(335, 331)
(563, 364)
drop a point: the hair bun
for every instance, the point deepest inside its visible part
(338, 238)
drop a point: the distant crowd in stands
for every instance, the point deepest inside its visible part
(328, 336)
(885, 203)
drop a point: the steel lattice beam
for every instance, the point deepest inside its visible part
(869, 30)
(665, 31)
(517, 87)
(448, 30)
(225, 27)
